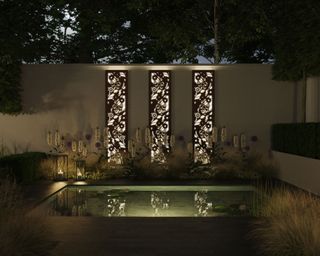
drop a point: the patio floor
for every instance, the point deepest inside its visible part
(84, 236)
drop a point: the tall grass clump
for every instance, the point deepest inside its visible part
(289, 224)
(20, 234)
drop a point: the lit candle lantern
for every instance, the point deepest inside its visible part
(80, 169)
(74, 146)
(147, 136)
(223, 134)
(97, 134)
(79, 174)
(165, 140)
(57, 138)
(133, 152)
(49, 138)
(214, 134)
(80, 146)
(243, 141)
(138, 135)
(236, 141)
(172, 141)
(130, 146)
(84, 151)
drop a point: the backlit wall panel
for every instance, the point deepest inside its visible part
(159, 114)
(203, 114)
(116, 114)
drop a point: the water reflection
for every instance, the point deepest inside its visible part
(201, 204)
(124, 202)
(159, 203)
(69, 203)
(116, 206)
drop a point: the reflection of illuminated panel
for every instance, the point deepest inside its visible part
(202, 116)
(159, 114)
(116, 114)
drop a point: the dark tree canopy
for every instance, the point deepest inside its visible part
(161, 31)
(296, 39)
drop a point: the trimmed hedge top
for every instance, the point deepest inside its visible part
(301, 139)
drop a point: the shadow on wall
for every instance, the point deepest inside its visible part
(46, 92)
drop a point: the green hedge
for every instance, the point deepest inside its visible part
(23, 167)
(297, 138)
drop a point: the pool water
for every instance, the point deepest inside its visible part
(150, 201)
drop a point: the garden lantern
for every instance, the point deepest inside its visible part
(243, 142)
(80, 169)
(236, 141)
(147, 136)
(172, 141)
(97, 134)
(223, 134)
(214, 134)
(138, 135)
(60, 170)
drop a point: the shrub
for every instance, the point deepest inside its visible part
(297, 138)
(23, 167)
(290, 224)
(20, 233)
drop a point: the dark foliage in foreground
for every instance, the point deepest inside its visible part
(20, 233)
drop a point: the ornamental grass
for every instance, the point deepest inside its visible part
(289, 224)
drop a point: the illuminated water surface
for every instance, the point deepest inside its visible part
(150, 201)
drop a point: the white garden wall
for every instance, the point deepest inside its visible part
(71, 98)
(300, 171)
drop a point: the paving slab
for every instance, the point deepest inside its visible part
(86, 236)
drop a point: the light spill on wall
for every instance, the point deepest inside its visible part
(116, 114)
(203, 114)
(159, 114)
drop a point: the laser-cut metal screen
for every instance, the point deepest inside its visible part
(116, 114)
(203, 114)
(159, 114)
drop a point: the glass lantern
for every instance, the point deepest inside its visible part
(60, 169)
(80, 169)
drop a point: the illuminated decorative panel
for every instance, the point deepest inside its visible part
(116, 114)
(159, 109)
(203, 114)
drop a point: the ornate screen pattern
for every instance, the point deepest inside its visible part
(159, 114)
(203, 119)
(116, 114)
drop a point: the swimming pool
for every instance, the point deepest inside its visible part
(150, 201)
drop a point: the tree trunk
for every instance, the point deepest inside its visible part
(216, 32)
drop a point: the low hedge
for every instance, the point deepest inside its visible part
(301, 139)
(23, 167)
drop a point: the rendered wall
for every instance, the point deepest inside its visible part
(71, 98)
(300, 171)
